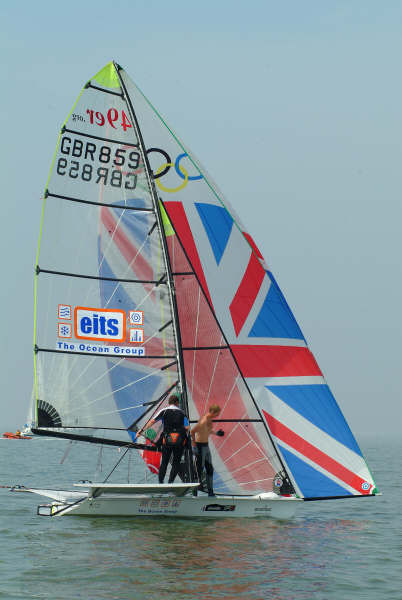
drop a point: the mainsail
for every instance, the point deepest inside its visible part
(148, 282)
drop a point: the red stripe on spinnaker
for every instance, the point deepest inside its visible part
(138, 264)
(253, 244)
(246, 293)
(275, 361)
(311, 452)
(181, 225)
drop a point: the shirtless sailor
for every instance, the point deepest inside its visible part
(199, 436)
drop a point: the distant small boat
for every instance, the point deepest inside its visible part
(16, 436)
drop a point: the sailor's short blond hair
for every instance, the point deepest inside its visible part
(214, 408)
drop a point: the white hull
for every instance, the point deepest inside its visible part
(128, 501)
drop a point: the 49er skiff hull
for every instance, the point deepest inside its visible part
(165, 500)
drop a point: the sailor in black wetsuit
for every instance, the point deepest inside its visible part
(174, 436)
(199, 435)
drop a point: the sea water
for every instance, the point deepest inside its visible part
(330, 550)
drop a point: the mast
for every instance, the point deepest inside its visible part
(169, 275)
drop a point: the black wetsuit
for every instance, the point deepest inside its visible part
(204, 461)
(174, 420)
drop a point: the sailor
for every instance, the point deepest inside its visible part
(199, 436)
(174, 436)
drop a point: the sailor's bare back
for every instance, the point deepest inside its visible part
(201, 432)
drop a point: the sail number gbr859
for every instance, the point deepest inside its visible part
(97, 163)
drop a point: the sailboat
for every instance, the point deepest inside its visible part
(146, 284)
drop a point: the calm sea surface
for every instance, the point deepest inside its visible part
(330, 550)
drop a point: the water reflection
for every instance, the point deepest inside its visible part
(226, 558)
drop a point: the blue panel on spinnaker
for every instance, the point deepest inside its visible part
(111, 289)
(137, 223)
(218, 224)
(275, 318)
(131, 387)
(311, 482)
(317, 404)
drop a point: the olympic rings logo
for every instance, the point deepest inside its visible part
(165, 168)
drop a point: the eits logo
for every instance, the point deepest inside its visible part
(99, 324)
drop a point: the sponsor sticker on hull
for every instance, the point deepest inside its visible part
(219, 507)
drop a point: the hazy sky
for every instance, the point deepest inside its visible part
(293, 107)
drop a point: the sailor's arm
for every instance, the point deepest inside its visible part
(193, 431)
(147, 426)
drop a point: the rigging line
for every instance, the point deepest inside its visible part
(255, 481)
(195, 343)
(118, 462)
(243, 483)
(244, 467)
(231, 392)
(150, 232)
(123, 387)
(127, 269)
(211, 381)
(96, 137)
(165, 326)
(161, 304)
(173, 252)
(260, 448)
(231, 420)
(157, 283)
(194, 348)
(99, 463)
(97, 379)
(120, 206)
(111, 240)
(90, 363)
(145, 298)
(169, 365)
(151, 337)
(158, 401)
(228, 436)
(119, 410)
